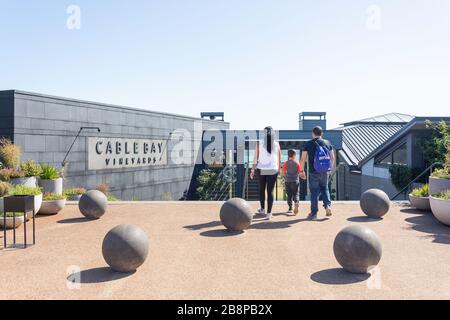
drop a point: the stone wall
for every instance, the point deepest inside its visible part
(45, 127)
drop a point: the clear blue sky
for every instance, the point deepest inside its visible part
(261, 62)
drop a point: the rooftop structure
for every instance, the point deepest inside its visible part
(309, 120)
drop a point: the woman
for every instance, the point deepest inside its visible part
(267, 164)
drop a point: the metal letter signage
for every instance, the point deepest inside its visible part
(118, 153)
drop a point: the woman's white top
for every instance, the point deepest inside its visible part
(266, 160)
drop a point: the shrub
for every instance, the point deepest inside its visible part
(31, 168)
(52, 196)
(103, 187)
(436, 147)
(421, 192)
(209, 182)
(74, 191)
(444, 195)
(15, 174)
(111, 197)
(21, 190)
(49, 172)
(401, 175)
(12, 214)
(5, 189)
(9, 153)
(443, 173)
(5, 174)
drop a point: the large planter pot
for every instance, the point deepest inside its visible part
(37, 205)
(52, 186)
(30, 182)
(51, 207)
(441, 210)
(11, 223)
(420, 203)
(437, 185)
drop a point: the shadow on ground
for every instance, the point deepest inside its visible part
(338, 276)
(363, 219)
(200, 226)
(220, 233)
(414, 211)
(426, 223)
(270, 224)
(97, 275)
(74, 220)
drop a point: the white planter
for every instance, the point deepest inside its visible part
(30, 182)
(52, 186)
(420, 203)
(1, 205)
(10, 222)
(437, 185)
(52, 206)
(441, 210)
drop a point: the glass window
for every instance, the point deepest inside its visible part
(387, 160)
(400, 155)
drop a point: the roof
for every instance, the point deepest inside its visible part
(389, 118)
(359, 141)
(415, 123)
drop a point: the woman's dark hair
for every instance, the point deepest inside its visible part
(268, 139)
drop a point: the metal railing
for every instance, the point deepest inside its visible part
(429, 169)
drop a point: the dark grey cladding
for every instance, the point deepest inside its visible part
(45, 126)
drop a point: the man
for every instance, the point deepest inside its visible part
(321, 161)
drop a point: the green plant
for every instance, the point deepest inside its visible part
(12, 214)
(31, 168)
(436, 147)
(49, 172)
(421, 192)
(74, 192)
(112, 198)
(209, 182)
(15, 174)
(52, 196)
(401, 175)
(5, 189)
(444, 172)
(9, 153)
(444, 195)
(21, 190)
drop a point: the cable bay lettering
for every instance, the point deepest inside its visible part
(115, 153)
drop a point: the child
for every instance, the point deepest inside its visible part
(291, 170)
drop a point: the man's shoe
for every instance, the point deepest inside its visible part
(328, 210)
(296, 209)
(312, 216)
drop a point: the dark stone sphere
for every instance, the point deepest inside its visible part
(357, 249)
(375, 203)
(93, 204)
(236, 214)
(125, 248)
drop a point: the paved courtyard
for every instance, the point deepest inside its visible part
(192, 257)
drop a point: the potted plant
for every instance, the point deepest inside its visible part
(20, 190)
(52, 204)
(74, 194)
(440, 178)
(9, 153)
(419, 198)
(440, 206)
(27, 176)
(13, 220)
(50, 180)
(5, 189)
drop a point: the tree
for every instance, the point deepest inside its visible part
(435, 148)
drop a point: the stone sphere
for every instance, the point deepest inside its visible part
(125, 248)
(357, 249)
(236, 214)
(375, 203)
(93, 204)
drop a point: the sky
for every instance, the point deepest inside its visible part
(261, 62)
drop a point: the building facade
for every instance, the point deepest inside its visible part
(141, 155)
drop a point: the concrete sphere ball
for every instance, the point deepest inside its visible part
(236, 214)
(125, 248)
(375, 203)
(93, 204)
(357, 249)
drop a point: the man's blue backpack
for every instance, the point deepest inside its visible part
(322, 158)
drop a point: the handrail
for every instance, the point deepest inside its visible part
(430, 168)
